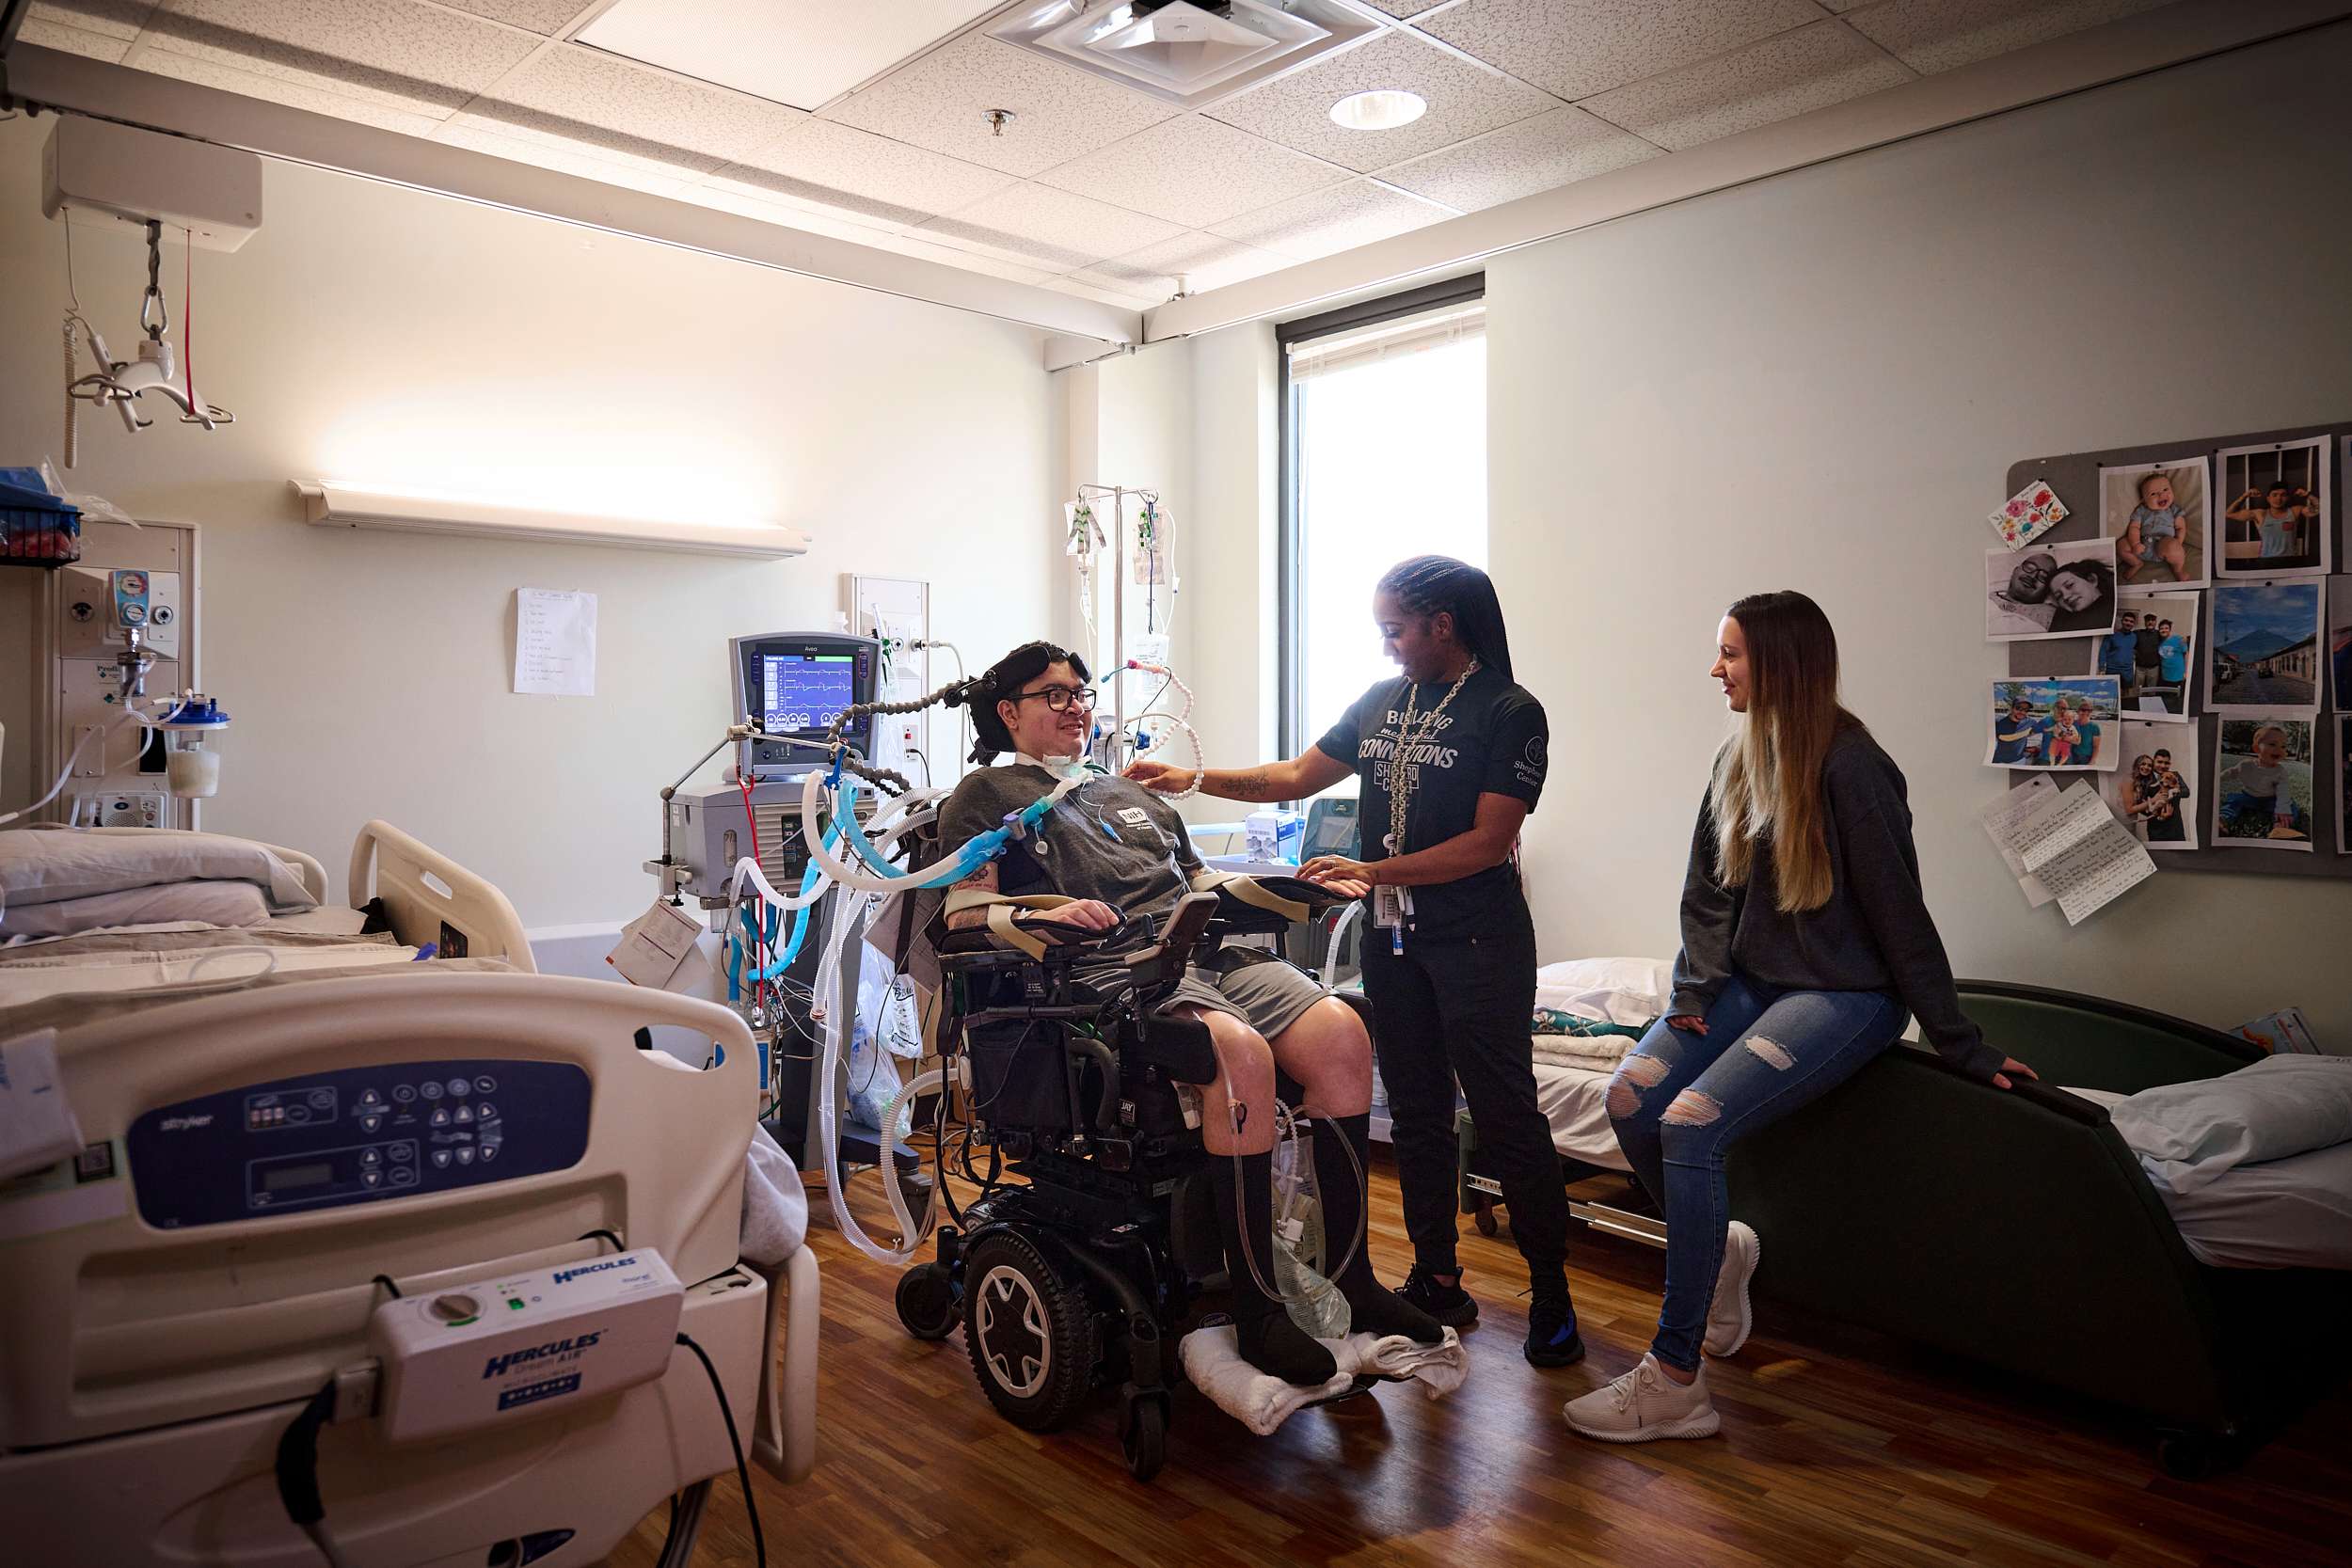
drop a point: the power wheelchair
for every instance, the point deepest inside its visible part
(1079, 1275)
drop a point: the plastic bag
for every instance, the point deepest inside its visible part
(98, 507)
(1300, 1248)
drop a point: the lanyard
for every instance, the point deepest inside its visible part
(1400, 778)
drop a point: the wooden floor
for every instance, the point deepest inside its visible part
(1836, 1449)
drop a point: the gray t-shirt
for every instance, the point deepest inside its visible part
(1107, 839)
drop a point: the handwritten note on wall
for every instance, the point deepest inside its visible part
(555, 643)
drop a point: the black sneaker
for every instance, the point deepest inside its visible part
(1552, 1337)
(1449, 1304)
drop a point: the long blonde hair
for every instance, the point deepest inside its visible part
(1768, 777)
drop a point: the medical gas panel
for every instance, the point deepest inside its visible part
(127, 577)
(356, 1135)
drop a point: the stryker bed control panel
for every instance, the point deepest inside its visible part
(356, 1135)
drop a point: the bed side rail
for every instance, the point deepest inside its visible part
(2094, 1043)
(431, 899)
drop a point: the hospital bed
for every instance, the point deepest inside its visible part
(2017, 1228)
(270, 1163)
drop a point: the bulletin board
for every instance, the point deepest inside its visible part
(2074, 477)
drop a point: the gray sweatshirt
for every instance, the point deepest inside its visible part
(1874, 933)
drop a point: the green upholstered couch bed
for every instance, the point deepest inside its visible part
(2014, 1228)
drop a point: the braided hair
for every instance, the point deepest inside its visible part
(1428, 584)
(1001, 682)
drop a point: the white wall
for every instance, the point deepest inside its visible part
(1819, 382)
(374, 332)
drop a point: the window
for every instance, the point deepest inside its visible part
(1383, 458)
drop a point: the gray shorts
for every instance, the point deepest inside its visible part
(1269, 997)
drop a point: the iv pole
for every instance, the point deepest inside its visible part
(1119, 494)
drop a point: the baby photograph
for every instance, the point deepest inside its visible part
(2262, 650)
(2054, 721)
(2276, 507)
(2151, 651)
(2262, 785)
(2160, 516)
(2046, 591)
(2153, 787)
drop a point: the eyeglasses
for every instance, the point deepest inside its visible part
(1058, 698)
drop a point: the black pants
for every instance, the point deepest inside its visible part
(1461, 1009)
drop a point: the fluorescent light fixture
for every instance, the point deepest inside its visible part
(340, 503)
(1383, 109)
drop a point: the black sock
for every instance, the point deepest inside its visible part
(1373, 1308)
(1268, 1339)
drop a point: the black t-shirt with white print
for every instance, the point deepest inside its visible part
(1492, 739)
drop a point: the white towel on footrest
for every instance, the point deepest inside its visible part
(1261, 1402)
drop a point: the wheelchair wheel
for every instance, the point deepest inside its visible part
(1143, 1434)
(1030, 1332)
(927, 1302)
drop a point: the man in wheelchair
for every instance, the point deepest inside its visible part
(1113, 860)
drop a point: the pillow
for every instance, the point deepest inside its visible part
(213, 903)
(1614, 991)
(2187, 1134)
(43, 866)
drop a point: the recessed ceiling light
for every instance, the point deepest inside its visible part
(1382, 110)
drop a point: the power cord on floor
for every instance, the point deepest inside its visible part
(742, 1473)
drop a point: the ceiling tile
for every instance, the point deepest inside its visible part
(1809, 69)
(467, 132)
(1194, 171)
(119, 19)
(941, 101)
(1576, 48)
(1403, 8)
(599, 96)
(545, 17)
(1328, 222)
(838, 165)
(1205, 260)
(729, 197)
(44, 34)
(1929, 36)
(1295, 110)
(409, 57)
(273, 89)
(801, 52)
(1038, 226)
(1538, 154)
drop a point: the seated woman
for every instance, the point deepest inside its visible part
(1117, 851)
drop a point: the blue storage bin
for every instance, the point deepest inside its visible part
(35, 527)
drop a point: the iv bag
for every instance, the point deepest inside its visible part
(1156, 542)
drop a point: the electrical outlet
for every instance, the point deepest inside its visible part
(906, 734)
(126, 808)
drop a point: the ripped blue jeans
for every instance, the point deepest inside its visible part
(1680, 1100)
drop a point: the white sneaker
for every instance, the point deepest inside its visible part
(1728, 1319)
(1643, 1404)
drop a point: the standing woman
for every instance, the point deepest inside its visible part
(1449, 760)
(1804, 939)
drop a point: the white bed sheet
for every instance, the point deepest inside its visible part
(1572, 1100)
(2294, 1212)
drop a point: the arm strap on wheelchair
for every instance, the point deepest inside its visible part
(1248, 889)
(1001, 910)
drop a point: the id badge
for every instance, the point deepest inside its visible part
(1390, 907)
